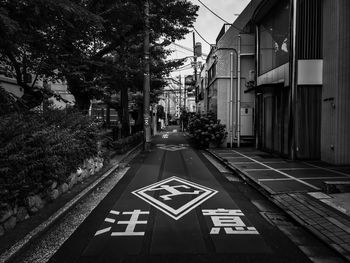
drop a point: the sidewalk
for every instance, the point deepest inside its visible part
(299, 189)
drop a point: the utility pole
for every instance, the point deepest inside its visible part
(180, 88)
(195, 65)
(146, 83)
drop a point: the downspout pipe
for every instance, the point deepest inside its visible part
(230, 121)
(293, 81)
(239, 93)
(231, 97)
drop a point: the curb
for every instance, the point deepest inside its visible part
(14, 249)
(243, 175)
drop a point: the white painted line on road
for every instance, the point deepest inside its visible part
(229, 220)
(257, 169)
(296, 169)
(275, 179)
(328, 170)
(102, 231)
(131, 224)
(252, 162)
(109, 220)
(113, 212)
(242, 162)
(172, 185)
(302, 178)
(279, 169)
(230, 157)
(39, 229)
(285, 174)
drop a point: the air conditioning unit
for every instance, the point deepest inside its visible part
(251, 77)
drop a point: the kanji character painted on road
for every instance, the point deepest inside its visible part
(230, 220)
(130, 224)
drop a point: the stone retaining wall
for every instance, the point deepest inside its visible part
(10, 215)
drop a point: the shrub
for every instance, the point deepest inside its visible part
(205, 129)
(36, 150)
(123, 144)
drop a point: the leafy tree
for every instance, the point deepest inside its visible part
(96, 45)
(30, 33)
(115, 65)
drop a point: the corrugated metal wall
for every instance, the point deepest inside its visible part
(343, 105)
(335, 135)
(309, 28)
(308, 47)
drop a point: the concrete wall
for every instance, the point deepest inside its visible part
(335, 136)
(229, 44)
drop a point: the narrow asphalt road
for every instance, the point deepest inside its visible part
(174, 205)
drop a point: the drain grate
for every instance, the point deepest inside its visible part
(276, 219)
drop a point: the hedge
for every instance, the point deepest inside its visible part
(38, 149)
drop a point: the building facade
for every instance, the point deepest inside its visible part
(287, 65)
(229, 73)
(302, 86)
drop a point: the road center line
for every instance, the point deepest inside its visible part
(285, 174)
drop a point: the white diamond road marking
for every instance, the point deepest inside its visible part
(172, 148)
(175, 187)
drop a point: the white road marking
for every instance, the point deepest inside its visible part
(230, 220)
(114, 212)
(102, 231)
(285, 174)
(109, 220)
(131, 224)
(279, 169)
(302, 178)
(203, 194)
(328, 170)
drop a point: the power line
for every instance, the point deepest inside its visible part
(188, 49)
(202, 37)
(239, 29)
(213, 12)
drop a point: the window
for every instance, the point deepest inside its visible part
(211, 73)
(274, 38)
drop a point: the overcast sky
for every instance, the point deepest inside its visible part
(209, 26)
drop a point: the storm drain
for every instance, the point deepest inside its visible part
(276, 219)
(231, 177)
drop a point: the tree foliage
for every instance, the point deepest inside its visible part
(96, 45)
(30, 44)
(36, 149)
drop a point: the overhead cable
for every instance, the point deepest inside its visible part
(187, 48)
(213, 12)
(201, 37)
(239, 29)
